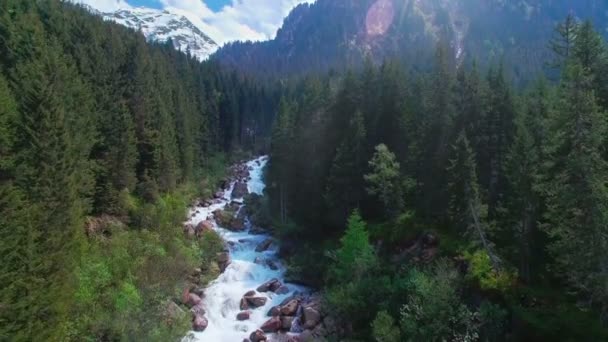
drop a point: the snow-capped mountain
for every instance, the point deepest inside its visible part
(159, 25)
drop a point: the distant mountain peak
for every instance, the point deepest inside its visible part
(162, 25)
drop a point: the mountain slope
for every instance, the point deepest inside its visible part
(161, 26)
(336, 33)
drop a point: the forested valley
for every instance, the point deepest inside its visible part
(447, 203)
(104, 141)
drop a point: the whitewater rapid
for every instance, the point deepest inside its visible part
(222, 296)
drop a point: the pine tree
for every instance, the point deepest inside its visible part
(590, 51)
(467, 212)
(523, 202)
(282, 157)
(345, 187)
(55, 172)
(498, 130)
(355, 257)
(384, 180)
(562, 44)
(15, 236)
(437, 125)
(576, 191)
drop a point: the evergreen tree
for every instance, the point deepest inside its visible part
(524, 173)
(281, 149)
(562, 44)
(467, 212)
(55, 171)
(384, 180)
(345, 187)
(576, 190)
(355, 257)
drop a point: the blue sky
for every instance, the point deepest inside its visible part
(214, 5)
(222, 20)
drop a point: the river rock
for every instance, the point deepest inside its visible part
(291, 308)
(272, 265)
(204, 226)
(264, 245)
(249, 294)
(189, 231)
(287, 322)
(223, 260)
(243, 316)
(282, 290)
(310, 318)
(275, 311)
(236, 225)
(256, 302)
(218, 195)
(223, 218)
(192, 300)
(244, 304)
(198, 310)
(240, 190)
(199, 323)
(272, 325)
(271, 285)
(257, 336)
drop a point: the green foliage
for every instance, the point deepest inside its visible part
(482, 271)
(433, 311)
(385, 329)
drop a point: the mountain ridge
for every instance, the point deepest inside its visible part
(333, 34)
(162, 26)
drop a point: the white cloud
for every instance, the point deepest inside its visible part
(104, 5)
(241, 20)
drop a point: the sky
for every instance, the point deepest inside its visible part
(222, 20)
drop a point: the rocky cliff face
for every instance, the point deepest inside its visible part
(337, 33)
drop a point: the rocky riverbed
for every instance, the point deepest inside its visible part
(250, 300)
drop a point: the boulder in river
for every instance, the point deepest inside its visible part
(272, 265)
(243, 315)
(258, 336)
(240, 190)
(264, 245)
(282, 290)
(199, 323)
(236, 225)
(256, 302)
(272, 325)
(291, 308)
(275, 311)
(223, 217)
(271, 285)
